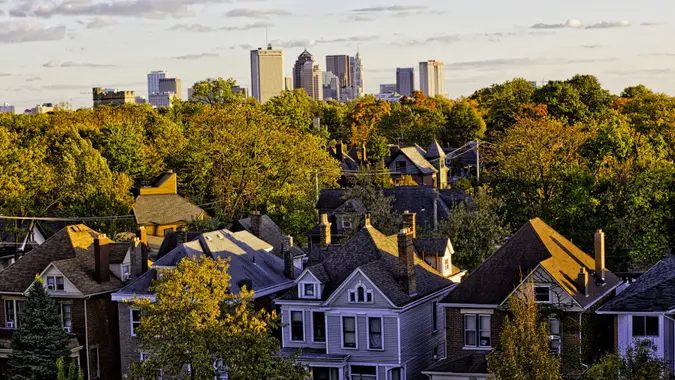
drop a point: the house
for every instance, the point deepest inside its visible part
(426, 167)
(17, 239)
(160, 209)
(462, 161)
(644, 311)
(252, 263)
(350, 162)
(264, 228)
(567, 283)
(430, 205)
(80, 269)
(368, 310)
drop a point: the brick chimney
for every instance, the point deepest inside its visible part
(366, 221)
(406, 262)
(324, 231)
(142, 235)
(582, 281)
(181, 236)
(340, 151)
(101, 259)
(256, 223)
(410, 222)
(289, 268)
(600, 254)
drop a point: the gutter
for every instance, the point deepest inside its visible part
(86, 336)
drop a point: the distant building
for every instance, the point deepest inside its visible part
(357, 76)
(40, 108)
(243, 91)
(432, 78)
(390, 87)
(331, 86)
(112, 97)
(267, 73)
(6, 108)
(163, 100)
(391, 97)
(288, 83)
(405, 80)
(141, 100)
(312, 80)
(153, 81)
(303, 58)
(340, 66)
(171, 85)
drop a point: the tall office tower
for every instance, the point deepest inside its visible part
(288, 83)
(6, 108)
(432, 78)
(153, 81)
(340, 66)
(405, 80)
(267, 73)
(303, 58)
(331, 86)
(171, 85)
(389, 87)
(357, 75)
(312, 80)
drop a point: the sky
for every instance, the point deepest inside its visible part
(57, 50)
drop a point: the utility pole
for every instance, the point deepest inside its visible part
(477, 162)
(316, 184)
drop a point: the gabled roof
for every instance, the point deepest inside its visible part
(534, 244)
(165, 209)
(435, 151)
(377, 256)
(118, 252)
(272, 234)
(415, 154)
(432, 246)
(71, 250)
(654, 291)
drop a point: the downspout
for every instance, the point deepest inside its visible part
(86, 335)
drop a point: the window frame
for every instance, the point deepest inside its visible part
(353, 295)
(16, 321)
(477, 331)
(133, 325)
(369, 347)
(314, 340)
(62, 311)
(548, 288)
(434, 316)
(342, 332)
(55, 284)
(290, 325)
(390, 374)
(346, 222)
(126, 272)
(304, 290)
(644, 326)
(351, 371)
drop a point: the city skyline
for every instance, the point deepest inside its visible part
(62, 49)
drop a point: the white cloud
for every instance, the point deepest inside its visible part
(28, 31)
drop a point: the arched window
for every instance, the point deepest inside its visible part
(360, 294)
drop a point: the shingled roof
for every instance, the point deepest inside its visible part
(165, 209)
(272, 234)
(534, 244)
(416, 155)
(71, 250)
(654, 291)
(377, 256)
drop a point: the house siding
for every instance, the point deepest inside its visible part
(362, 355)
(418, 338)
(129, 352)
(342, 298)
(307, 327)
(625, 335)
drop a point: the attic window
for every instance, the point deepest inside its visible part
(55, 283)
(346, 222)
(542, 294)
(360, 294)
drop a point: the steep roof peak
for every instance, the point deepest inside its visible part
(435, 151)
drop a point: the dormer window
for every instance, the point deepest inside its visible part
(126, 272)
(55, 283)
(360, 294)
(309, 290)
(346, 222)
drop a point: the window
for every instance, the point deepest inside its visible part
(13, 313)
(309, 290)
(349, 332)
(346, 222)
(135, 321)
(395, 374)
(319, 326)
(645, 326)
(297, 326)
(126, 272)
(67, 317)
(446, 264)
(360, 294)
(542, 294)
(434, 316)
(400, 167)
(95, 362)
(55, 283)
(435, 354)
(375, 337)
(364, 373)
(477, 331)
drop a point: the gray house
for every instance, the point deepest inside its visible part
(368, 310)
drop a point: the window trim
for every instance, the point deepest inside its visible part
(367, 293)
(369, 348)
(478, 330)
(63, 314)
(434, 316)
(644, 319)
(342, 331)
(132, 329)
(390, 373)
(15, 312)
(550, 299)
(325, 333)
(56, 283)
(126, 276)
(304, 290)
(290, 325)
(348, 225)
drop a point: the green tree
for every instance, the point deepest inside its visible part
(365, 189)
(476, 228)
(563, 101)
(464, 124)
(295, 109)
(195, 321)
(591, 93)
(639, 363)
(216, 92)
(73, 373)
(523, 352)
(501, 104)
(40, 340)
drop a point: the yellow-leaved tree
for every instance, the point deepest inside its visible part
(196, 328)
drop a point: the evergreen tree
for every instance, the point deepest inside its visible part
(73, 372)
(523, 352)
(40, 340)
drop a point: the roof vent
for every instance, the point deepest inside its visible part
(219, 236)
(208, 238)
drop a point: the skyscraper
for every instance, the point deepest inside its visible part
(304, 57)
(432, 78)
(6, 108)
(288, 83)
(153, 81)
(312, 80)
(357, 75)
(267, 73)
(405, 80)
(388, 87)
(331, 86)
(171, 85)
(340, 66)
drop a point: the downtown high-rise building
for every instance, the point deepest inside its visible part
(6, 108)
(357, 76)
(312, 80)
(267, 73)
(171, 86)
(288, 83)
(405, 80)
(340, 66)
(303, 58)
(153, 81)
(432, 78)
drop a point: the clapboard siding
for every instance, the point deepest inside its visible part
(390, 328)
(419, 338)
(341, 299)
(286, 323)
